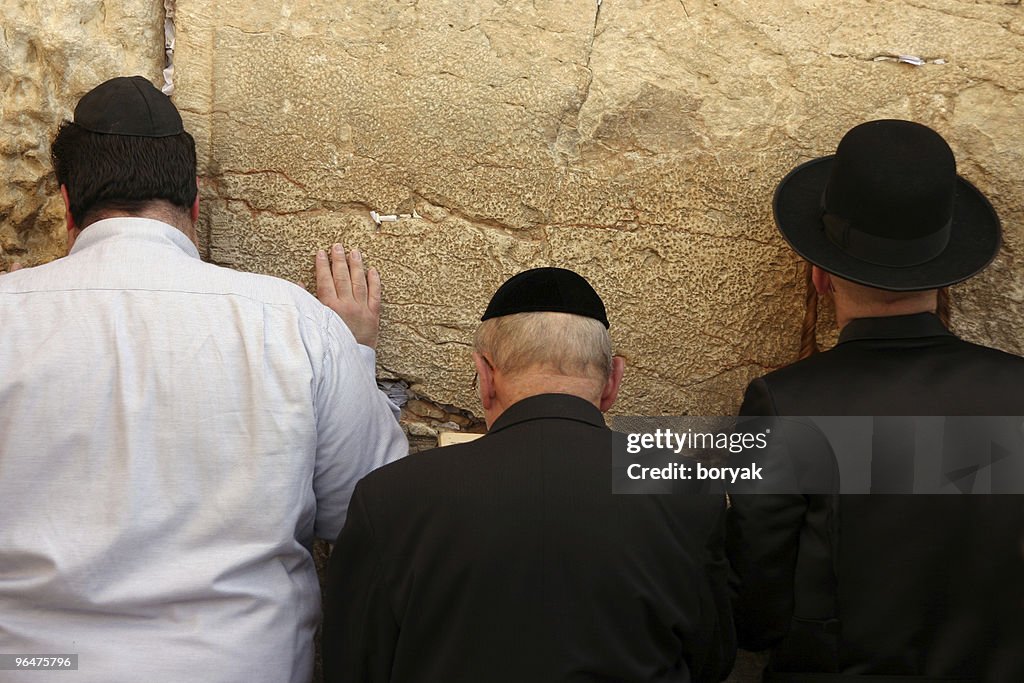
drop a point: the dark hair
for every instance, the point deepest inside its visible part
(122, 172)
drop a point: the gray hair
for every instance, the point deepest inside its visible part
(567, 344)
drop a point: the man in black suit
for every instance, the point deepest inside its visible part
(922, 587)
(509, 558)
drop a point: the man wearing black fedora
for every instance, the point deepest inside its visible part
(509, 558)
(885, 587)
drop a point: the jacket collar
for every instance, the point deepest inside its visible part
(894, 327)
(549, 406)
(133, 228)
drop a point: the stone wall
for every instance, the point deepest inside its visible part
(51, 53)
(635, 141)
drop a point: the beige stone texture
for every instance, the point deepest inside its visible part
(637, 142)
(424, 409)
(51, 53)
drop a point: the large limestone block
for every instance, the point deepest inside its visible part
(51, 53)
(638, 142)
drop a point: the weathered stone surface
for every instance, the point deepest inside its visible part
(638, 142)
(459, 421)
(424, 409)
(51, 53)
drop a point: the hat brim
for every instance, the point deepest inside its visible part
(973, 243)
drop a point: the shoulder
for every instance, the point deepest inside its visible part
(274, 293)
(762, 393)
(939, 376)
(433, 467)
(264, 289)
(421, 481)
(848, 358)
(15, 282)
(495, 459)
(284, 306)
(989, 355)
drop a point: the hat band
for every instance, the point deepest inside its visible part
(885, 251)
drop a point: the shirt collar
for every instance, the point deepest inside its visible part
(135, 228)
(894, 327)
(548, 406)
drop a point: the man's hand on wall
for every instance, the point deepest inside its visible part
(14, 266)
(351, 291)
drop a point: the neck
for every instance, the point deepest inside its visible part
(513, 390)
(163, 212)
(848, 309)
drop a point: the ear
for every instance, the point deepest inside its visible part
(822, 280)
(485, 371)
(611, 387)
(69, 220)
(194, 212)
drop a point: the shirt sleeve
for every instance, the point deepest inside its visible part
(356, 426)
(360, 630)
(369, 357)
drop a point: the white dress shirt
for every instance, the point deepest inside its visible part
(173, 435)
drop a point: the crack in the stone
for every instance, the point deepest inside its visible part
(526, 233)
(889, 57)
(170, 7)
(410, 380)
(724, 371)
(956, 15)
(265, 171)
(324, 207)
(621, 225)
(632, 224)
(586, 64)
(977, 82)
(584, 96)
(213, 182)
(436, 342)
(392, 264)
(254, 33)
(745, 363)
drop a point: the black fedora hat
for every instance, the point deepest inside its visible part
(888, 210)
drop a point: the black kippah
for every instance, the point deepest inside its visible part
(128, 106)
(546, 289)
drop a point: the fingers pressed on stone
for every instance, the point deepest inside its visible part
(357, 275)
(325, 288)
(342, 283)
(373, 290)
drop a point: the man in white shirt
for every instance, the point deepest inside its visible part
(173, 435)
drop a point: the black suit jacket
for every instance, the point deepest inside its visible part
(509, 559)
(885, 584)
